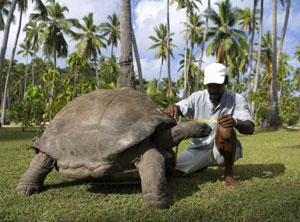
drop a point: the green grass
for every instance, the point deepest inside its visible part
(269, 174)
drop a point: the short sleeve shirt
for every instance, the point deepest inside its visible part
(199, 106)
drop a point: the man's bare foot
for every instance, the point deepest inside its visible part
(230, 181)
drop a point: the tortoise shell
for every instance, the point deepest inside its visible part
(87, 135)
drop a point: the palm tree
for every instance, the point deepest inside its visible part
(22, 5)
(33, 31)
(257, 71)
(275, 119)
(3, 12)
(170, 90)
(196, 37)
(297, 53)
(90, 42)
(138, 61)
(286, 19)
(160, 43)
(197, 78)
(26, 52)
(190, 5)
(284, 69)
(227, 42)
(192, 71)
(248, 20)
(126, 61)
(55, 26)
(5, 35)
(111, 30)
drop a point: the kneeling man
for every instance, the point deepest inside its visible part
(225, 111)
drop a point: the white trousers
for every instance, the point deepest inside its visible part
(192, 160)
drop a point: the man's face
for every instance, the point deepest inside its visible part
(215, 91)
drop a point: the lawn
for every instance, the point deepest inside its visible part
(269, 174)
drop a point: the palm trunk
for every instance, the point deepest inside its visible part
(197, 78)
(32, 71)
(54, 59)
(112, 50)
(5, 36)
(3, 116)
(185, 75)
(126, 79)
(251, 50)
(96, 71)
(25, 76)
(168, 52)
(189, 64)
(138, 61)
(257, 71)
(159, 77)
(275, 119)
(286, 20)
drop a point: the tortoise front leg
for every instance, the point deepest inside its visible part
(33, 179)
(152, 171)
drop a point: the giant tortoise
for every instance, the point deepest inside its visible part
(107, 131)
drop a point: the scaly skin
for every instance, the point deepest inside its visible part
(33, 179)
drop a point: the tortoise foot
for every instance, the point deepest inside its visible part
(159, 203)
(28, 189)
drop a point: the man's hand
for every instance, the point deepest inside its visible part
(172, 111)
(226, 121)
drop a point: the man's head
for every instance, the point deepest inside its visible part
(215, 78)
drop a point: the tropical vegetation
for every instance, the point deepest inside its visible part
(32, 92)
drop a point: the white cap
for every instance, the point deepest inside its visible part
(214, 73)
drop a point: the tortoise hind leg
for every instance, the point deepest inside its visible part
(152, 170)
(33, 179)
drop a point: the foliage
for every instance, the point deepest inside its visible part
(160, 97)
(261, 100)
(288, 104)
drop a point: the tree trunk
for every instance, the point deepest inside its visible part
(112, 50)
(285, 24)
(138, 61)
(96, 71)
(126, 79)
(159, 77)
(54, 58)
(185, 74)
(168, 52)
(197, 78)
(251, 50)
(32, 71)
(275, 119)
(5, 36)
(3, 116)
(257, 71)
(25, 76)
(189, 64)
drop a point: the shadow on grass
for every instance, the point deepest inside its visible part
(115, 184)
(186, 186)
(180, 187)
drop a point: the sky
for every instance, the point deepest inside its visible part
(146, 14)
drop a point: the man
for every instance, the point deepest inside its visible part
(225, 111)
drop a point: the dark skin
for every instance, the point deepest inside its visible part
(226, 136)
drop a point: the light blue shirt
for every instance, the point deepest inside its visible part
(199, 106)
